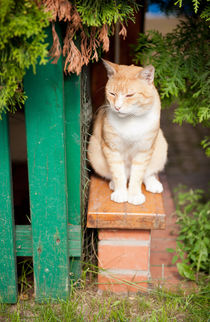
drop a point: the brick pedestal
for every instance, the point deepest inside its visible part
(123, 258)
(124, 233)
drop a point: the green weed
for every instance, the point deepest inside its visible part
(87, 305)
(193, 243)
(26, 271)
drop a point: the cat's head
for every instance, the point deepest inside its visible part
(130, 89)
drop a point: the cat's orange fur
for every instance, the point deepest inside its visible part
(127, 143)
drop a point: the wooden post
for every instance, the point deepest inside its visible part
(72, 101)
(8, 279)
(45, 120)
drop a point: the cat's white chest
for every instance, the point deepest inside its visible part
(134, 130)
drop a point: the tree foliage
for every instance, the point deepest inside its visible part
(181, 59)
(92, 22)
(22, 43)
(22, 37)
(97, 13)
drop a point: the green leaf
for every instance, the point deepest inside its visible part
(174, 259)
(185, 271)
(115, 303)
(170, 250)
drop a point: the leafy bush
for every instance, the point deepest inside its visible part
(22, 39)
(182, 63)
(97, 13)
(193, 243)
(181, 59)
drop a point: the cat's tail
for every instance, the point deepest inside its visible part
(95, 153)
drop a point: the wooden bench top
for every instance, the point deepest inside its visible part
(105, 213)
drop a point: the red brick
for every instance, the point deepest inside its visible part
(123, 257)
(160, 240)
(170, 231)
(161, 244)
(159, 258)
(171, 220)
(167, 196)
(170, 273)
(122, 283)
(123, 234)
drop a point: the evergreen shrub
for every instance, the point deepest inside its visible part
(182, 62)
(193, 244)
(22, 37)
(22, 44)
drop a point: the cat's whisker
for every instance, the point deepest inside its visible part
(98, 90)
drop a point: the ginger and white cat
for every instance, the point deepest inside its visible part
(127, 144)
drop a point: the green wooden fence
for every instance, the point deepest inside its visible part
(52, 113)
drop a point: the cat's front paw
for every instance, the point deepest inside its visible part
(136, 199)
(154, 186)
(119, 196)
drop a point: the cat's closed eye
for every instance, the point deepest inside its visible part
(113, 94)
(130, 95)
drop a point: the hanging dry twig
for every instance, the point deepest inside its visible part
(64, 10)
(52, 6)
(123, 31)
(94, 43)
(73, 62)
(86, 50)
(103, 37)
(75, 58)
(55, 50)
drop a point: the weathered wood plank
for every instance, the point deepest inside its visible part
(8, 276)
(75, 268)
(24, 240)
(47, 179)
(73, 146)
(104, 213)
(72, 101)
(75, 245)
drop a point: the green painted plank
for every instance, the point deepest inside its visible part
(74, 231)
(72, 101)
(75, 268)
(73, 146)
(44, 111)
(75, 244)
(24, 240)
(8, 276)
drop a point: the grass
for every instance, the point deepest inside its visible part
(85, 304)
(188, 303)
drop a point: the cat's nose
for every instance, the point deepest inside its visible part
(117, 108)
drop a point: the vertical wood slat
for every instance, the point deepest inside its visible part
(72, 101)
(44, 111)
(73, 145)
(8, 276)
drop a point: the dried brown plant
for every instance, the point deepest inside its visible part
(75, 58)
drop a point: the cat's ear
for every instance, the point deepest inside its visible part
(110, 67)
(147, 73)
